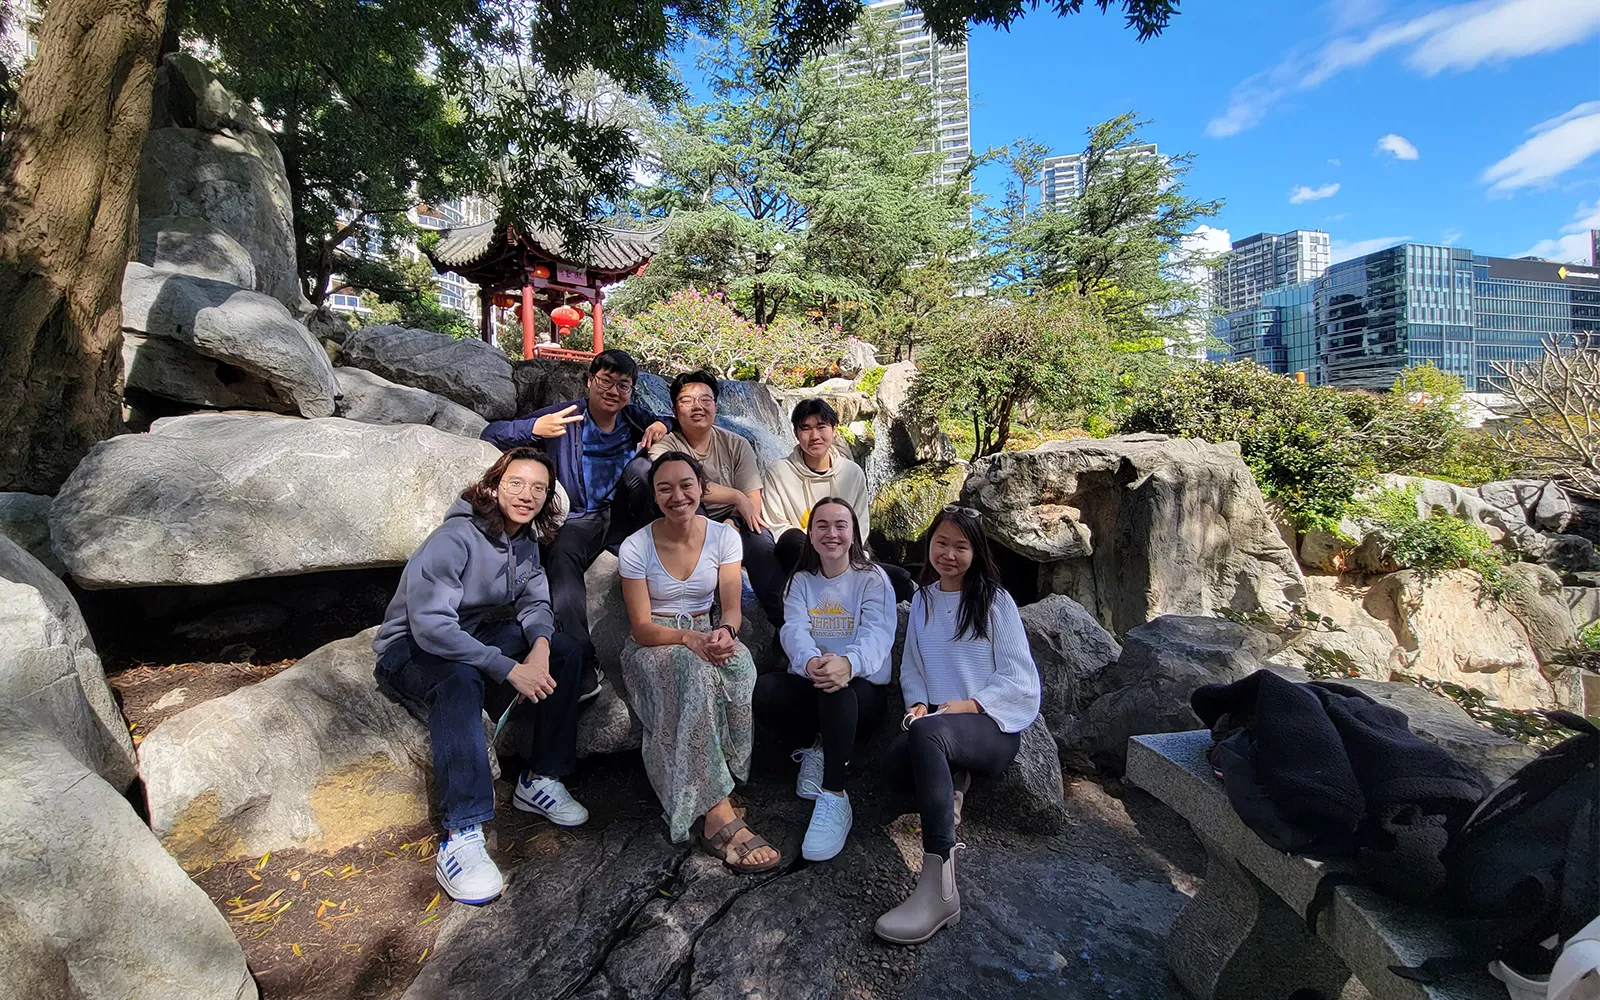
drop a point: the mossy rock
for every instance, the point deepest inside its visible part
(906, 504)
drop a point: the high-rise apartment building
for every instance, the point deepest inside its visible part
(941, 68)
(20, 41)
(1257, 264)
(1062, 178)
(1366, 319)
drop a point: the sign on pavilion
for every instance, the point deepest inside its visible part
(529, 268)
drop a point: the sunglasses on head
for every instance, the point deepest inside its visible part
(956, 510)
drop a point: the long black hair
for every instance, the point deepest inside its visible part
(811, 562)
(982, 580)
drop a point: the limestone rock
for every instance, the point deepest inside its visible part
(1138, 526)
(543, 382)
(1509, 529)
(1148, 689)
(1449, 630)
(373, 399)
(233, 179)
(1439, 720)
(469, 372)
(325, 324)
(176, 245)
(189, 95)
(1361, 641)
(1071, 651)
(859, 356)
(315, 757)
(1028, 795)
(1570, 554)
(903, 507)
(95, 909)
(25, 519)
(50, 672)
(1543, 504)
(1537, 602)
(911, 437)
(210, 498)
(246, 331)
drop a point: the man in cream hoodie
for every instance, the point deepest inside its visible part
(812, 471)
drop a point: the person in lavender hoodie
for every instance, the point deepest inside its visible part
(970, 688)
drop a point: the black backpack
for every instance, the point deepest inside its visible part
(1523, 867)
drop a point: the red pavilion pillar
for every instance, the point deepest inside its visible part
(527, 317)
(599, 322)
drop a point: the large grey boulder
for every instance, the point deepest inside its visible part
(373, 399)
(241, 336)
(469, 372)
(94, 909)
(210, 498)
(1543, 504)
(208, 158)
(1027, 796)
(1570, 554)
(1071, 651)
(25, 519)
(315, 757)
(910, 437)
(1138, 526)
(172, 244)
(1148, 689)
(50, 672)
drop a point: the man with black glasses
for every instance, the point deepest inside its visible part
(599, 447)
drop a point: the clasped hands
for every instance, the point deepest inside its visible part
(829, 672)
(715, 647)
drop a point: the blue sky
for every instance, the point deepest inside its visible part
(1474, 124)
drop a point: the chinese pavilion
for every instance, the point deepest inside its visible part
(529, 268)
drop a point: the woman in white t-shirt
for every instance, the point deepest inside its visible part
(690, 682)
(838, 631)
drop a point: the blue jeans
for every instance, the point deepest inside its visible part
(450, 698)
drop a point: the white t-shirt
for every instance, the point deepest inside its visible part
(637, 560)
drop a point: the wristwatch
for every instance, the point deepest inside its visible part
(732, 632)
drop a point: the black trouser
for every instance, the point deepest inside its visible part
(766, 578)
(449, 698)
(581, 540)
(920, 761)
(796, 710)
(793, 541)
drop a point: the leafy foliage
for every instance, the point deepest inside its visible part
(1433, 543)
(1045, 351)
(691, 331)
(870, 380)
(1533, 728)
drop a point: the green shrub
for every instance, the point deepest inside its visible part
(691, 331)
(1589, 636)
(870, 380)
(1297, 440)
(1430, 545)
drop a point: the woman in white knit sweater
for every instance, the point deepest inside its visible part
(837, 635)
(970, 688)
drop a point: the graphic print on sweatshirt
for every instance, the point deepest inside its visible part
(830, 619)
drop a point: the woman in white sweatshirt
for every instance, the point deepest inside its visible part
(838, 631)
(970, 688)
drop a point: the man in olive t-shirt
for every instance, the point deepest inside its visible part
(734, 493)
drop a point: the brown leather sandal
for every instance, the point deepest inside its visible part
(718, 843)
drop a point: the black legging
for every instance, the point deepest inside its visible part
(796, 710)
(793, 541)
(920, 762)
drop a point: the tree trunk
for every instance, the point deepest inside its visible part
(68, 220)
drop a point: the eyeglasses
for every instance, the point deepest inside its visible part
(620, 386)
(517, 487)
(704, 400)
(956, 510)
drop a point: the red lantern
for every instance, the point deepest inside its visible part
(541, 272)
(504, 300)
(566, 317)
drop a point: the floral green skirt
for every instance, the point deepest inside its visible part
(696, 720)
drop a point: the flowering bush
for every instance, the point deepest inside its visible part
(693, 330)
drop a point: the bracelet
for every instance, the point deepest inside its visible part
(732, 633)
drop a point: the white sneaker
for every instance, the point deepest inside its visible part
(810, 780)
(464, 869)
(830, 825)
(549, 798)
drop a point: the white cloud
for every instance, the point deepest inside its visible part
(1457, 37)
(1350, 249)
(1335, 163)
(1555, 147)
(1572, 246)
(1450, 237)
(1301, 193)
(1399, 145)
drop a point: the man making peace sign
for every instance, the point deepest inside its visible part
(596, 444)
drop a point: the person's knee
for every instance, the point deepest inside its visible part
(566, 658)
(758, 545)
(928, 736)
(636, 474)
(457, 687)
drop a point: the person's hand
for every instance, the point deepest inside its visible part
(653, 435)
(720, 647)
(554, 425)
(814, 668)
(749, 513)
(962, 706)
(532, 677)
(917, 711)
(832, 673)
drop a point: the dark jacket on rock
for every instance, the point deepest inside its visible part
(567, 450)
(458, 576)
(1322, 768)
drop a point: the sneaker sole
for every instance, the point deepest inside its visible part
(529, 807)
(829, 856)
(462, 899)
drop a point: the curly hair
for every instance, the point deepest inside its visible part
(483, 495)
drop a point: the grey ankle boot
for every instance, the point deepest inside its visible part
(935, 903)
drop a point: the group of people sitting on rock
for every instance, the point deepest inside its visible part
(492, 611)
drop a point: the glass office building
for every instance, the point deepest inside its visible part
(1366, 319)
